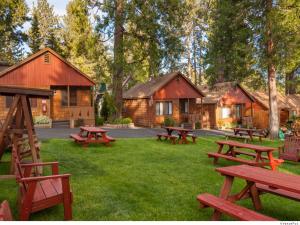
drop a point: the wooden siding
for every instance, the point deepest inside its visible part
(175, 89)
(209, 116)
(139, 111)
(37, 73)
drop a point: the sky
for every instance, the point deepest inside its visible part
(59, 5)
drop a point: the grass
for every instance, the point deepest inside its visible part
(142, 179)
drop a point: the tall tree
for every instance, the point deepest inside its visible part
(48, 26)
(230, 48)
(147, 37)
(81, 45)
(12, 18)
(118, 66)
(34, 41)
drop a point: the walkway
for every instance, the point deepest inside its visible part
(46, 133)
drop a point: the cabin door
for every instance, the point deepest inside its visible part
(59, 104)
(239, 113)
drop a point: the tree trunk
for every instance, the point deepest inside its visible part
(290, 84)
(118, 57)
(273, 107)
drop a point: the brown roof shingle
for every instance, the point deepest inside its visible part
(145, 90)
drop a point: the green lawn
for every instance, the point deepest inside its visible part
(142, 179)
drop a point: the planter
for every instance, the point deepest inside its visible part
(130, 125)
(47, 125)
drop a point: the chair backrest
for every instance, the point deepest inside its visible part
(291, 144)
(5, 213)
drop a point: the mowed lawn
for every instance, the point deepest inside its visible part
(143, 179)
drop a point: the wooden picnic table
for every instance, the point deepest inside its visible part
(182, 132)
(89, 135)
(234, 150)
(258, 181)
(249, 131)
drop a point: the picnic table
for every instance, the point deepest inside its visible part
(182, 134)
(249, 132)
(263, 155)
(258, 181)
(89, 135)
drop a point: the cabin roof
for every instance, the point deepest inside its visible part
(146, 90)
(215, 93)
(41, 52)
(294, 100)
(263, 99)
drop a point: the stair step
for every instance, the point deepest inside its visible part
(61, 124)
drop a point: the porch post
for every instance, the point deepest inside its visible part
(68, 91)
(201, 119)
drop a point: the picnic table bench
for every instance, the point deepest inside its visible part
(250, 132)
(182, 135)
(89, 135)
(234, 151)
(5, 213)
(246, 138)
(231, 209)
(258, 181)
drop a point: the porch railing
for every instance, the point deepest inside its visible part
(81, 112)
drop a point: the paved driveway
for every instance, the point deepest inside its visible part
(46, 133)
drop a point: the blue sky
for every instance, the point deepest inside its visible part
(59, 5)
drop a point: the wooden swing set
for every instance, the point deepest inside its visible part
(18, 126)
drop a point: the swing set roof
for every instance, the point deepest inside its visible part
(30, 92)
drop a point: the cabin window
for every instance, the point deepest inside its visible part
(225, 112)
(8, 101)
(33, 102)
(47, 58)
(238, 111)
(184, 106)
(73, 97)
(164, 108)
(64, 97)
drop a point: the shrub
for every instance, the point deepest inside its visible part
(169, 121)
(126, 120)
(41, 120)
(79, 122)
(117, 121)
(99, 121)
(108, 107)
(197, 125)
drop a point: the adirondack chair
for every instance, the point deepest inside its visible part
(291, 149)
(5, 213)
(41, 192)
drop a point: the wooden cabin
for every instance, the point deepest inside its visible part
(294, 101)
(172, 95)
(73, 90)
(261, 108)
(226, 105)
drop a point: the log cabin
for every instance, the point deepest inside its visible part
(294, 100)
(286, 108)
(226, 105)
(172, 95)
(46, 69)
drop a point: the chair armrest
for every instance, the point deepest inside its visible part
(40, 178)
(39, 164)
(29, 166)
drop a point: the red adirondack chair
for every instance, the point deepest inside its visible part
(291, 149)
(41, 192)
(5, 213)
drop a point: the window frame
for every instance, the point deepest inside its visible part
(228, 114)
(164, 108)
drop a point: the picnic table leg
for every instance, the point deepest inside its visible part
(250, 133)
(219, 151)
(273, 164)
(255, 196)
(225, 191)
(184, 137)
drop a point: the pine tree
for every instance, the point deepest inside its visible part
(34, 41)
(12, 18)
(47, 24)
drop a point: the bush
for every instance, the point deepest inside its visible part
(79, 122)
(169, 122)
(117, 121)
(126, 120)
(41, 120)
(197, 125)
(99, 121)
(108, 107)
